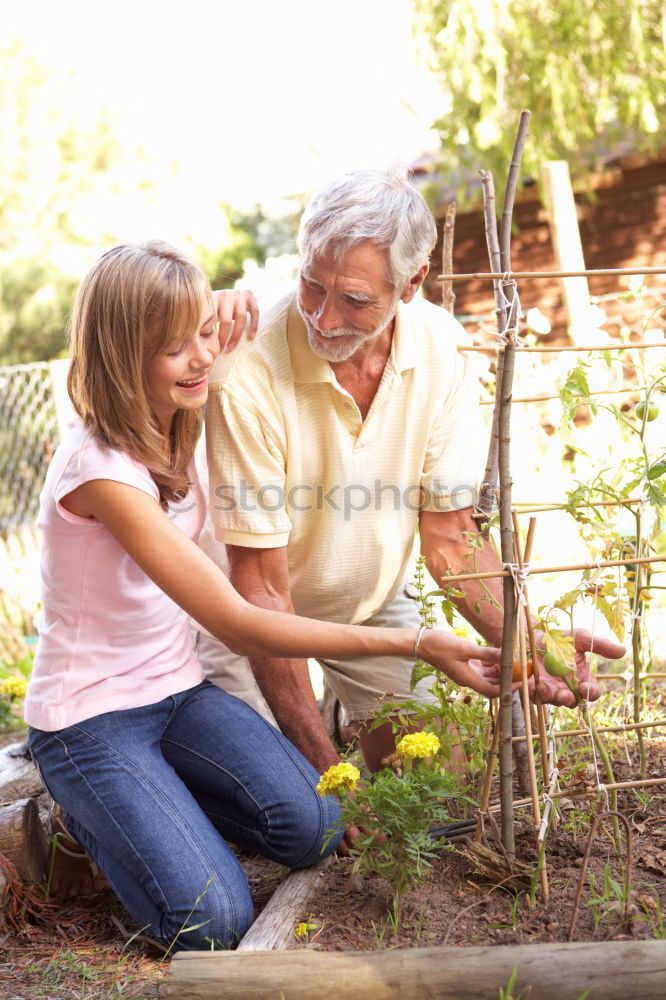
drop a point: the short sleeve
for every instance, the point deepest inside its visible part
(93, 460)
(451, 468)
(247, 474)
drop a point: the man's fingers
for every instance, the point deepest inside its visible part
(585, 643)
(352, 833)
(252, 307)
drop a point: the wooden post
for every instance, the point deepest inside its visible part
(23, 840)
(615, 970)
(448, 295)
(19, 778)
(567, 245)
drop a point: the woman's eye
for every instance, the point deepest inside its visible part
(175, 353)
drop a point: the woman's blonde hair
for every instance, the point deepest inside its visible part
(134, 302)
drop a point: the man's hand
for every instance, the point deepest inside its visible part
(236, 309)
(555, 691)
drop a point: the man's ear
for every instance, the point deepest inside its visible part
(413, 285)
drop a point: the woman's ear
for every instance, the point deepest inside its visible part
(413, 285)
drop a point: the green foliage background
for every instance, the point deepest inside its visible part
(66, 178)
(592, 72)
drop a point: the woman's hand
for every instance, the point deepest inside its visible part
(467, 664)
(236, 309)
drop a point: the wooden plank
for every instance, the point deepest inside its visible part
(19, 778)
(567, 244)
(611, 970)
(274, 927)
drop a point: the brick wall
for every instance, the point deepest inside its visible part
(623, 224)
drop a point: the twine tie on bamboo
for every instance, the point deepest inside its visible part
(510, 333)
(520, 575)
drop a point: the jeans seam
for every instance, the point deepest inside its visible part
(286, 746)
(223, 770)
(126, 838)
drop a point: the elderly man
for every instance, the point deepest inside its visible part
(349, 423)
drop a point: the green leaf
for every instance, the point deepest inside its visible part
(567, 600)
(657, 470)
(614, 613)
(419, 671)
(561, 646)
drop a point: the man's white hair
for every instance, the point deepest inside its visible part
(377, 205)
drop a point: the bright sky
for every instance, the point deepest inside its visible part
(252, 99)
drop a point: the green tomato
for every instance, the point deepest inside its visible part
(652, 411)
(557, 668)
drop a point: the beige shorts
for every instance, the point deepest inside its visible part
(360, 684)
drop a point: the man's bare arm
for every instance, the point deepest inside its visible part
(261, 576)
(450, 541)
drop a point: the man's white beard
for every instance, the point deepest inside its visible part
(342, 342)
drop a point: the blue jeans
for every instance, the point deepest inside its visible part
(152, 793)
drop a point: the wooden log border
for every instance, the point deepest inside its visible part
(611, 970)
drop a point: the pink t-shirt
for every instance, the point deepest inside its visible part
(109, 638)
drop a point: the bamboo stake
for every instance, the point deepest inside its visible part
(623, 677)
(526, 508)
(585, 793)
(488, 489)
(547, 807)
(564, 349)
(534, 788)
(484, 797)
(540, 570)
(448, 295)
(584, 402)
(543, 738)
(516, 275)
(625, 728)
(506, 526)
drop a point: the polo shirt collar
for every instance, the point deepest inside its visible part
(309, 367)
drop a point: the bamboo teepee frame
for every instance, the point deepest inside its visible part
(518, 630)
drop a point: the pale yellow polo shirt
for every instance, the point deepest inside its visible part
(291, 462)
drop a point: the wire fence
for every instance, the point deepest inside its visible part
(28, 437)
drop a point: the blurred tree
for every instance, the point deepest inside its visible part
(71, 184)
(253, 235)
(592, 72)
(50, 159)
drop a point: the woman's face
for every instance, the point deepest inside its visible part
(177, 378)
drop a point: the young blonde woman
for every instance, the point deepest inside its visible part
(155, 768)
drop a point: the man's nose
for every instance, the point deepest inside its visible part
(328, 316)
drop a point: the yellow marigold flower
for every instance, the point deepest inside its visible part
(418, 745)
(342, 775)
(13, 687)
(302, 931)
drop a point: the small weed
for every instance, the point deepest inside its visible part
(607, 897)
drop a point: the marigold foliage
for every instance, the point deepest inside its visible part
(339, 776)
